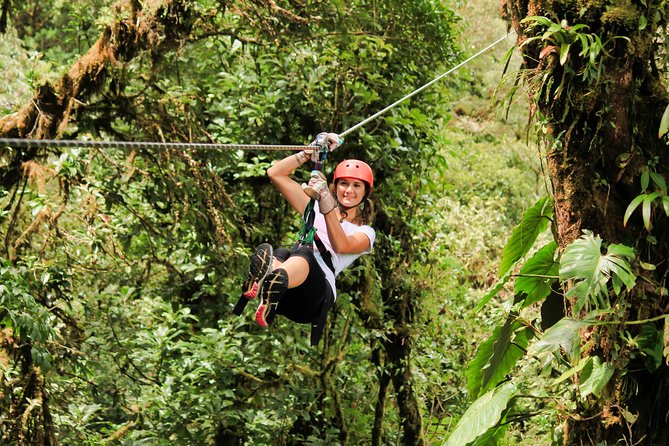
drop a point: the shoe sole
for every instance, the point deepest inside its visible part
(261, 265)
(269, 299)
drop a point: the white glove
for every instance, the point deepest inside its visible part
(318, 190)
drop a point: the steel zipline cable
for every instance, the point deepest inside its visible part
(418, 90)
(19, 143)
(22, 143)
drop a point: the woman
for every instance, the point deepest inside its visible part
(300, 283)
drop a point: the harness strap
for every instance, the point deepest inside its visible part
(307, 231)
(308, 236)
(327, 255)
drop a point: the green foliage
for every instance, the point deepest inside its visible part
(664, 123)
(594, 377)
(589, 276)
(561, 337)
(483, 415)
(647, 199)
(572, 58)
(565, 40)
(650, 343)
(524, 235)
(22, 288)
(497, 356)
(590, 270)
(153, 245)
(17, 82)
(537, 275)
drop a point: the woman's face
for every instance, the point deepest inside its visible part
(350, 191)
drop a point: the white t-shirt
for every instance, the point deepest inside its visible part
(339, 261)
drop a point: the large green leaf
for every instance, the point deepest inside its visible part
(497, 356)
(571, 371)
(509, 347)
(584, 263)
(534, 222)
(563, 335)
(651, 343)
(631, 207)
(664, 123)
(476, 365)
(646, 202)
(496, 433)
(595, 375)
(537, 275)
(482, 415)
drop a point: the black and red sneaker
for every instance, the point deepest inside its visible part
(271, 292)
(261, 264)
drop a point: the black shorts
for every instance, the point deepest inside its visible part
(309, 302)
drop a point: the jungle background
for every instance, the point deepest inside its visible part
(119, 268)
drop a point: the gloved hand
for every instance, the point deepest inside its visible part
(318, 190)
(333, 141)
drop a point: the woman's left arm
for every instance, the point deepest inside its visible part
(341, 243)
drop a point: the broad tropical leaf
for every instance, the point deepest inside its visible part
(497, 356)
(537, 275)
(632, 206)
(595, 375)
(496, 433)
(534, 222)
(646, 202)
(572, 371)
(664, 123)
(563, 335)
(659, 181)
(476, 365)
(509, 347)
(482, 415)
(584, 263)
(646, 208)
(651, 343)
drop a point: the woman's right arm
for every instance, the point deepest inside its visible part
(280, 173)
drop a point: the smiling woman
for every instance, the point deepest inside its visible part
(354, 179)
(299, 283)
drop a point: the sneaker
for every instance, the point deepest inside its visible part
(261, 264)
(273, 288)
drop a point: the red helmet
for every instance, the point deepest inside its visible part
(355, 169)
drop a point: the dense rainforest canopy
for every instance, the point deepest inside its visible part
(513, 295)
(119, 267)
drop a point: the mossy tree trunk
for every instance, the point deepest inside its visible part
(400, 295)
(600, 119)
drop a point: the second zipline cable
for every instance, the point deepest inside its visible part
(37, 143)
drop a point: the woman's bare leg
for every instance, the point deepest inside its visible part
(297, 269)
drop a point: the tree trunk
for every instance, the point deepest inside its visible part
(400, 298)
(607, 129)
(398, 349)
(379, 411)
